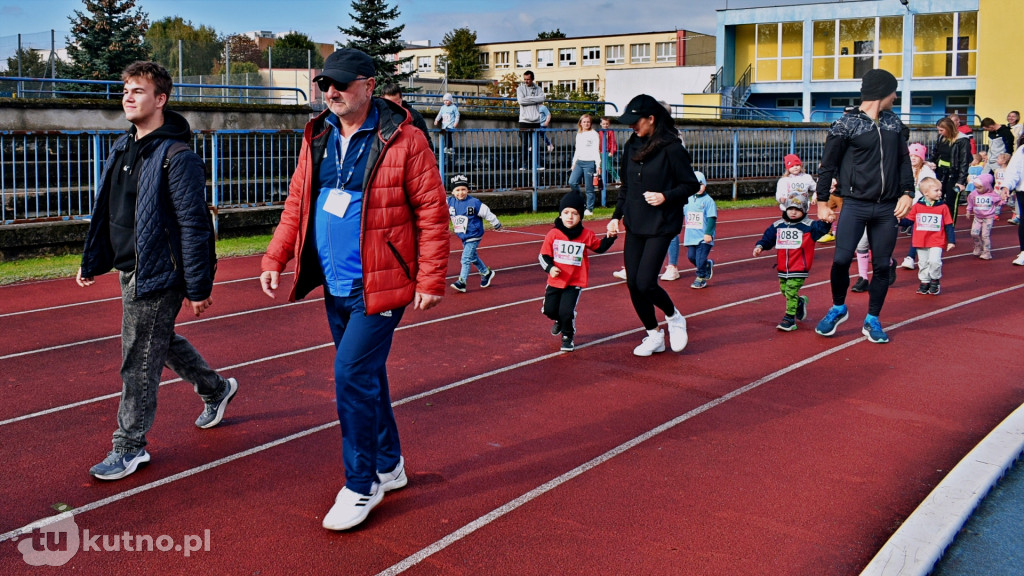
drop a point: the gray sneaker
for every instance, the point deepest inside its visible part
(213, 413)
(117, 465)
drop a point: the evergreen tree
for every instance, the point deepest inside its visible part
(461, 53)
(107, 39)
(371, 35)
(293, 51)
(33, 65)
(200, 46)
(553, 34)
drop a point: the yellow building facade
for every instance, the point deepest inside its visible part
(578, 63)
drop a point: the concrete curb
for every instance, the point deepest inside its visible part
(921, 541)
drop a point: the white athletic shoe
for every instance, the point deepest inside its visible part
(671, 273)
(351, 508)
(1019, 260)
(621, 273)
(908, 263)
(677, 331)
(395, 479)
(651, 344)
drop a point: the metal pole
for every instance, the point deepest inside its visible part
(270, 63)
(20, 84)
(309, 73)
(181, 77)
(227, 69)
(53, 63)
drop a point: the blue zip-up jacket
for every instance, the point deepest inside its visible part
(869, 159)
(474, 211)
(174, 241)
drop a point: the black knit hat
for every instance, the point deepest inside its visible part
(877, 84)
(459, 180)
(573, 200)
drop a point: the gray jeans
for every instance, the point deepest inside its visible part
(148, 342)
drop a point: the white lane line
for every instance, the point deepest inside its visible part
(528, 497)
(518, 502)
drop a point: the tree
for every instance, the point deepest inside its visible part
(200, 46)
(462, 54)
(107, 39)
(293, 51)
(556, 33)
(240, 48)
(32, 64)
(371, 35)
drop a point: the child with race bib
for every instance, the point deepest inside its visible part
(467, 215)
(933, 231)
(793, 236)
(983, 206)
(563, 255)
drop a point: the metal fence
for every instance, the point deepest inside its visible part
(53, 175)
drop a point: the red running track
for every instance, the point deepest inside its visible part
(752, 452)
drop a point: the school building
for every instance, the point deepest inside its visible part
(949, 55)
(580, 63)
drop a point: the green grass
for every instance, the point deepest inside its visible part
(66, 266)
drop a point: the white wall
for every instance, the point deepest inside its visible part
(668, 84)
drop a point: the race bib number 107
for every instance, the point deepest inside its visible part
(569, 253)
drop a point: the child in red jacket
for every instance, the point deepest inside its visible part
(933, 231)
(794, 236)
(564, 257)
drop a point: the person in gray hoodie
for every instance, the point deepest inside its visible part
(530, 96)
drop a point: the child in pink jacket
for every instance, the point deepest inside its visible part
(983, 204)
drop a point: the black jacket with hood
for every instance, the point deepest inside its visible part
(666, 170)
(174, 240)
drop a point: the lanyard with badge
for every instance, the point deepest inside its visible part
(337, 198)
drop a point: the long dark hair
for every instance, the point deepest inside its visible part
(664, 134)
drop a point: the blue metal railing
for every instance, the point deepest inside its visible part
(185, 91)
(53, 175)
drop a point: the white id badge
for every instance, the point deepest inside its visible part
(461, 224)
(337, 202)
(566, 252)
(789, 239)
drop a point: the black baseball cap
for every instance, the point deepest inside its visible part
(639, 107)
(346, 65)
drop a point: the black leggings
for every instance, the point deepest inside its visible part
(881, 224)
(951, 196)
(643, 256)
(560, 305)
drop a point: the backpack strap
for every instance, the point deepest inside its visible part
(172, 150)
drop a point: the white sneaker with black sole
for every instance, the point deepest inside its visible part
(351, 508)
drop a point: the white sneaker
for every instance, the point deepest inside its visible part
(651, 344)
(588, 212)
(395, 479)
(908, 263)
(677, 331)
(351, 508)
(1019, 260)
(671, 273)
(621, 273)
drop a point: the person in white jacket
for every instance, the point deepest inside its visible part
(585, 160)
(1013, 180)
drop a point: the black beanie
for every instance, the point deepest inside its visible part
(877, 84)
(573, 200)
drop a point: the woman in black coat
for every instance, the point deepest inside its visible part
(657, 180)
(952, 158)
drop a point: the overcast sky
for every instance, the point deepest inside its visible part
(493, 21)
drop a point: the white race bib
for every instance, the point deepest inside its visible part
(461, 223)
(929, 222)
(695, 221)
(337, 202)
(570, 253)
(982, 202)
(789, 239)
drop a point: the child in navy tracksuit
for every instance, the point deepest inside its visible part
(563, 255)
(467, 215)
(794, 237)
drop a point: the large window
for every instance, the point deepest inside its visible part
(423, 64)
(589, 86)
(501, 60)
(615, 54)
(566, 56)
(666, 52)
(945, 44)
(485, 60)
(567, 85)
(639, 53)
(591, 55)
(847, 49)
(545, 58)
(545, 86)
(779, 52)
(524, 59)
